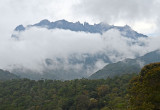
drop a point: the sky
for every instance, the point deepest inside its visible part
(37, 44)
(142, 15)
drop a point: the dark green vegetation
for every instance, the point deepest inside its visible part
(125, 92)
(144, 89)
(5, 75)
(127, 66)
(79, 94)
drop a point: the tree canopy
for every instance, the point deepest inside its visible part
(78, 94)
(145, 89)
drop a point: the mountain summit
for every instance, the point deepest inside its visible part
(85, 27)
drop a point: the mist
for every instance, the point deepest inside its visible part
(35, 45)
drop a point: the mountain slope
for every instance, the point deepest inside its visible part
(86, 27)
(5, 75)
(126, 66)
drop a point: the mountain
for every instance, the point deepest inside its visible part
(127, 66)
(85, 27)
(75, 65)
(6, 75)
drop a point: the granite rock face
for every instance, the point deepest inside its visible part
(85, 27)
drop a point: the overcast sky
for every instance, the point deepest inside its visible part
(141, 15)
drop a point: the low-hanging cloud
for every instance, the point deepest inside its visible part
(35, 45)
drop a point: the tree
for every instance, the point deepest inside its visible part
(144, 89)
(82, 102)
(102, 90)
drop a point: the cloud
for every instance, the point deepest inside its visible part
(110, 10)
(139, 14)
(63, 48)
(37, 44)
(15, 12)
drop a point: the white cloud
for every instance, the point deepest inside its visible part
(139, 14)
(16, 12)
(37, 44)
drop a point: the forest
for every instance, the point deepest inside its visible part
(125, 92)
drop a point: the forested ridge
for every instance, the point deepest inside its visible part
(125, 92)
(6, 75)
(79, 94)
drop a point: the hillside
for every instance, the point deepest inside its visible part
(5, 75)
(126, 66)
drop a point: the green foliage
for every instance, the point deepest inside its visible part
(145, 89)
(79, 94)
